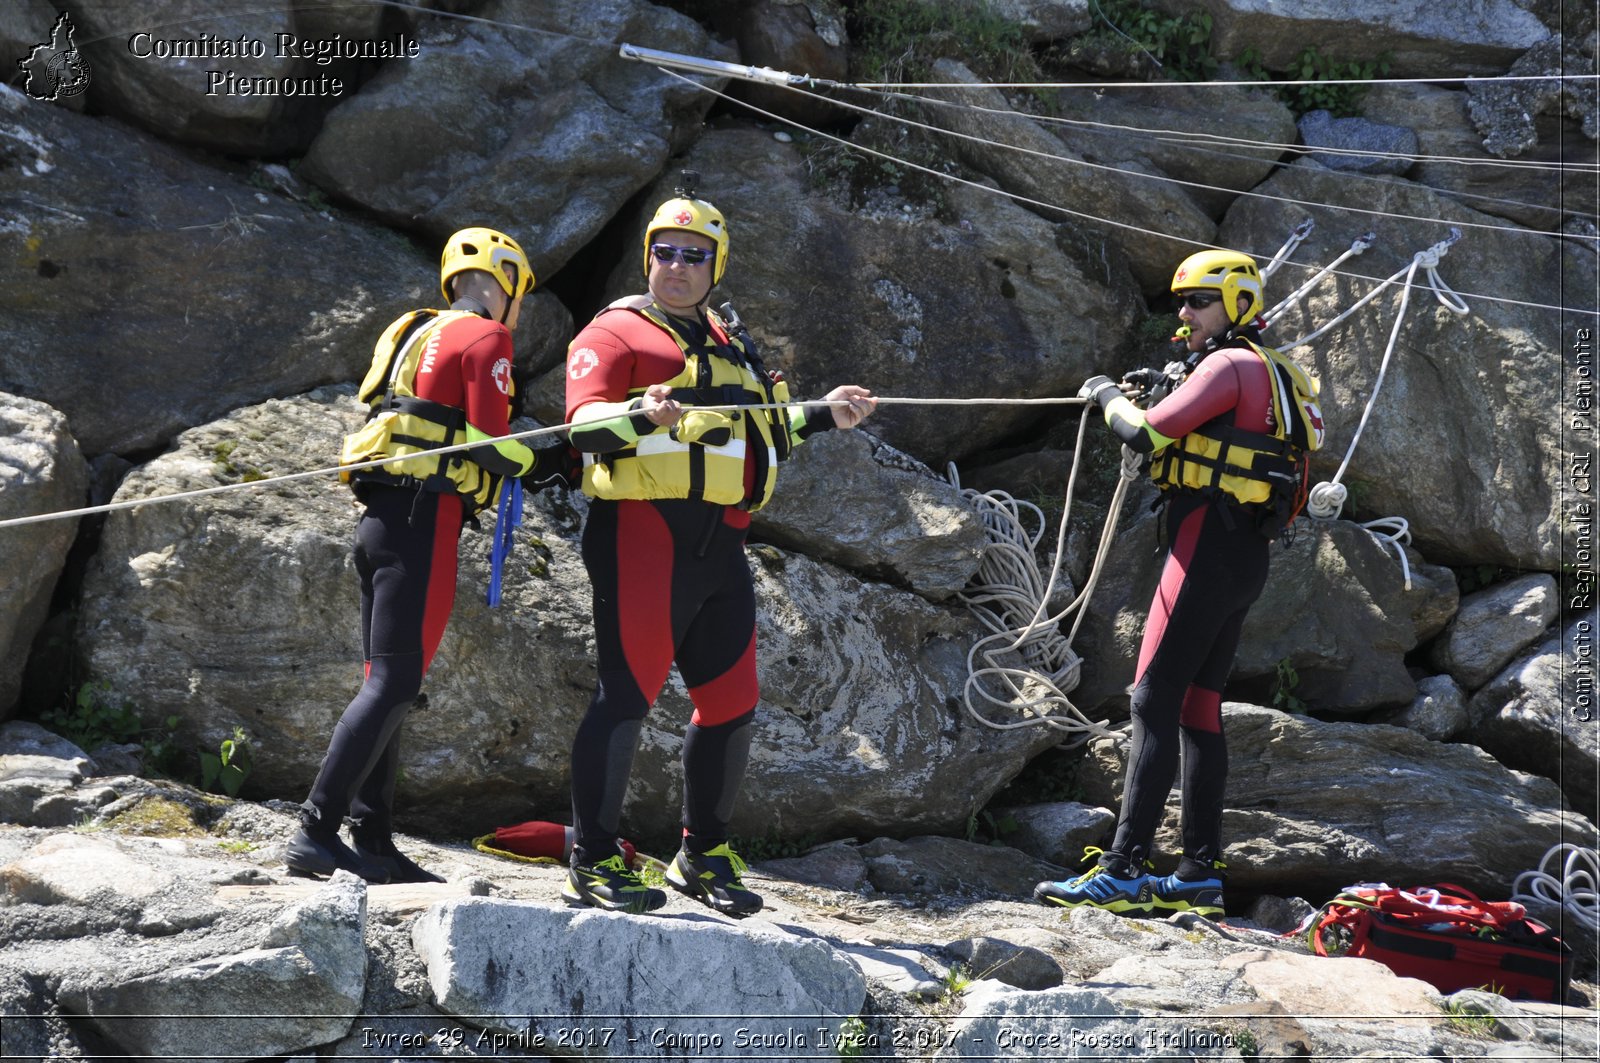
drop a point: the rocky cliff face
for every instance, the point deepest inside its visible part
(196, 281)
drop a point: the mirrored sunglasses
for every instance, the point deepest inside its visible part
(1199, 300)
(691, 256)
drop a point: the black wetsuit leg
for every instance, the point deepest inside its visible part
(1215, 569)
(405, 555)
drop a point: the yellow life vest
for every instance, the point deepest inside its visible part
(659, 465)
(1255, 468)
(400, 425)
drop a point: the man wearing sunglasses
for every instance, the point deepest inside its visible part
(673, 482)
(438, 378)
(1217, 531)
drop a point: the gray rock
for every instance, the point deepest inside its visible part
(41, 471)
(1538, 716)
(486, 126)
(1058, 831)
(299, 988)
(178, 99)
(797, 36)
(1539, 197)
(1280, 914)
(837, 866)
(36, 767)
(505, 964)
(999, 1022)
(902, 971)
(1007, 956)
(930, 864)
(849, 499)
(1420, 37)
(1439, 711)
(1312, 807)
(1358, 145)
(1494, 625)
(1050, 172)
(1505, 114)
(1046, 20)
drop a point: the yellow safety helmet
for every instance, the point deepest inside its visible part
(1229, 272)
(490, 251)
(691, 214)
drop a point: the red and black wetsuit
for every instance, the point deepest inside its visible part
(405, 555)
(671, 583)
(1215, 569)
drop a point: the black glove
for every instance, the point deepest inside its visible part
(554, 463)
(1144, 379)
(1099, 390)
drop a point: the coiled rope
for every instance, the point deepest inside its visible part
(1025, 651)
(1567, 877)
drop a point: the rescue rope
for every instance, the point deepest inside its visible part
(1568, 876)
(1326, 500)
(1008, 588)
(332, 470)
(768, 76)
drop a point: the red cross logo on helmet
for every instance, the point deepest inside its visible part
(683, 217)
(1183, 274)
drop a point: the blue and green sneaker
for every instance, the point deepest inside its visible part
(1112, 885)
(1202, 896)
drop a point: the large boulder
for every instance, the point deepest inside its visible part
(498, 128)
(1160, 130)
(1312, 807)
(1485, 379)
(135, 77)
(240, 610)
(876, 297)
(1494, 625)
(1452, 159)
(1149, 216)
(1420, 37)
(1539, 715)
(1336, 609)
(511, 966)
(209, 293)
(41, 471)
(797, 37)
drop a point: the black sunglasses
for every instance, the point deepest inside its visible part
(1199, 300)
(692, 256)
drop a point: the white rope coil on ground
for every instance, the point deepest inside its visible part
(1025, 652)
(1568, 877)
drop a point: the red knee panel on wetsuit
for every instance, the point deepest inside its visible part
(731, 694)
(1202, 710)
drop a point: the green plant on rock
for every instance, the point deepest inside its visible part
(853, 1039)
(1181, 44)
(1284, 697)
(1328, 91)
(229, 766)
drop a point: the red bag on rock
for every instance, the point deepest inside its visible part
(1448, 937)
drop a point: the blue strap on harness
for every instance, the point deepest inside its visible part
(507, 520)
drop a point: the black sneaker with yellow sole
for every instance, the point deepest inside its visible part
(715, 879)
(611, 885)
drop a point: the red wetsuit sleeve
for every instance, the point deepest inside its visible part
(482, 356)
(600, 367)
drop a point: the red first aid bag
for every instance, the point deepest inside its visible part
(1447, 937)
